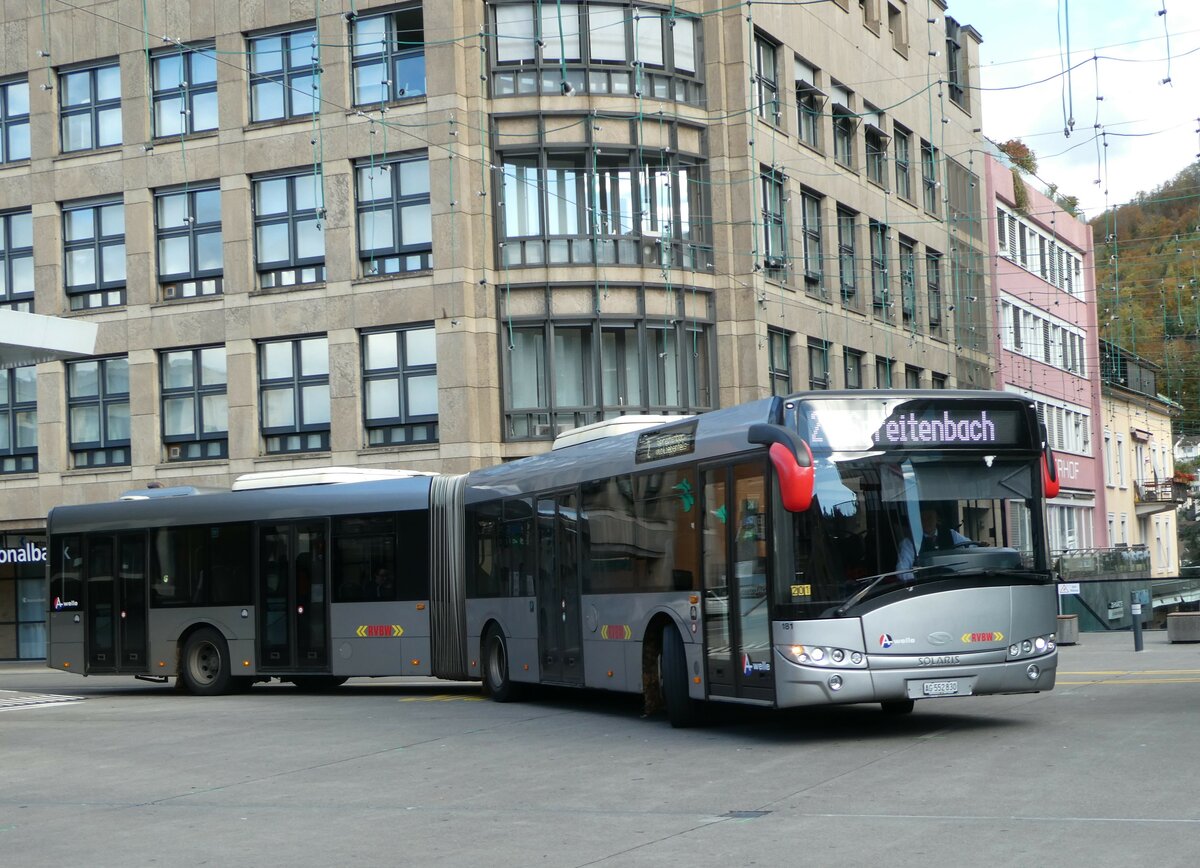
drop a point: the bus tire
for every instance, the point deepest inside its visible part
(318, 683)
(496, 681)
(898, 706)
(206, 669)
(682, 710)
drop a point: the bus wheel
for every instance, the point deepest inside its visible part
(682, 710)
(318, 683)
(206, 663)
(496, 682)
(898, 706)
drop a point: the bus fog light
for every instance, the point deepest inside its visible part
(856, 658)
(835, 682)
(838, 655)
(1033, 672)
(1014, 650)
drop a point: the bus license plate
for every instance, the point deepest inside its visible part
(939, 688)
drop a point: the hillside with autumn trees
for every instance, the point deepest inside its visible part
(1148, 285)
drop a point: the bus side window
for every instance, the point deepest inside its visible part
(483, 579)
(413, 554)
(228, 571)
(516, 547)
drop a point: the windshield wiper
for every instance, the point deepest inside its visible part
(875, 580)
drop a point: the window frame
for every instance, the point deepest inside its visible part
(933, 291)
(902, 157)
(811, 230)
(848, 256)
(9, 255)
(290, 271)
(297, 381)
(186, 90)
(212, 444)
(774, 222)
(390, 55)
(852, 361)
(93, 108)
(908, 280)
(766, 82)
(11, 121)
(286, 74)
(818, 360)
(15, 458)
(398, 429)
(114, 451)
(929, 179)
(878, 235)
(196, 281)
(779, 361)
(394, 257)
(100, 293)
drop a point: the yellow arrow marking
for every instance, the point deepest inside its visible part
(397, 630)
(362, 631)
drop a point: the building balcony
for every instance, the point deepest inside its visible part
(1159, 495)
(1119, 562)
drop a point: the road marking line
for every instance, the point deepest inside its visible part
(1133, 681)
(1130, 672)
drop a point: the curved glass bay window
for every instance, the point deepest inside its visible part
(565, 207)
(562, 373)
(596, 48)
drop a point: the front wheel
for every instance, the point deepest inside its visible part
(206, 670)
(496, 681)
(682, 710)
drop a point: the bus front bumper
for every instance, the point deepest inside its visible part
(797, 685)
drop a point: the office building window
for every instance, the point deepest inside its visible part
(16, 260)
(881, 301)
(912, 377)
(811, 214)
(933, 285)
(94, 250)
(779, 361)
(818, 364)
(14, 121)
(938, 381)
(293, 383)
(563, 375)
(195, 407)
(852, 369)
(288, 233)
(389, 56)
(285, 75)
(810, 103)
(956, 65)
(18, 420)
(847, 263)
(883, 373)
(188, 224)
(844, 124)
(876, 155)
(596, 48)
(902, 157)
(929, 177)
(400, 394)
(774, 224)
(89, 103)
(98, 411)
(766, 79)
(908, 280)
(395, 225)
(185, 91)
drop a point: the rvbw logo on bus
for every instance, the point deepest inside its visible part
(26, 554)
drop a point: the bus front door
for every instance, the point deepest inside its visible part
(116, 603)
(560, 631)
(293, 582)
(737, 626)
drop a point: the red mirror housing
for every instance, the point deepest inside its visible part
(796, 476)
(1049, 474)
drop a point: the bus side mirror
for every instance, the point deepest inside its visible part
(1049, 474)
(793, 462)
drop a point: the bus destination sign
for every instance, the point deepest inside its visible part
(669, 443)
(968, 428)
(908, 424)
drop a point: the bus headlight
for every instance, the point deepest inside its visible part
(1035, 646)
(824, 656)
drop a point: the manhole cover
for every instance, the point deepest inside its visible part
(10, 699)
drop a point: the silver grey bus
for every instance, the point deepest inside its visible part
(755, 555)
(306, 583)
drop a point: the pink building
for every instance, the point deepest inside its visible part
(1044, 291)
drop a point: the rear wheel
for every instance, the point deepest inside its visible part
(898, 706)
(496, 681)
(206, 670)
(682, 710)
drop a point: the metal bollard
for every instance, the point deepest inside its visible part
(1135, 611)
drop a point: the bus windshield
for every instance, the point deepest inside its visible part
(909, 518)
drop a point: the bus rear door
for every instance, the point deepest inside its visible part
(115, 602)
(293, 602)
(737, 634)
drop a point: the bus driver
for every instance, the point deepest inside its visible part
(934, 536)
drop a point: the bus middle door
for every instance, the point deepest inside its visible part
(293, 583)
(560, 630)
(115, 588)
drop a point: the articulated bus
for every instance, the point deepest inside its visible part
(829, 547)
